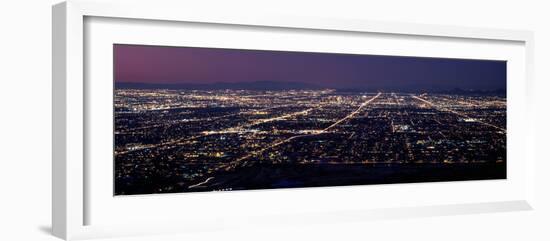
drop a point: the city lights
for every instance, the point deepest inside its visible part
(207, 140)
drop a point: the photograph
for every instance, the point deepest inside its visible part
(190, 119)
(196, 119)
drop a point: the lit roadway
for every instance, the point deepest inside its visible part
(236, 162)
(202, 119)
(235, 129)
(261, 121)
(457, 113)
(352, 113)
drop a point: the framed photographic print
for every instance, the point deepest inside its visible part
(204, 122)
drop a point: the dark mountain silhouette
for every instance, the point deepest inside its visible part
(455, 91)
(458, 91)
(276, 85)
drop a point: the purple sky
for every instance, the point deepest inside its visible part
(158, 64)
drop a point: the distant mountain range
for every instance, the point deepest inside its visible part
(459, 91)
(276, 85)
(455, 91)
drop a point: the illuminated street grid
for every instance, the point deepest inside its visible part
(186, 141)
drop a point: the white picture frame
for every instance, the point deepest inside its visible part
(72, 191)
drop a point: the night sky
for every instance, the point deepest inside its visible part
(188, 65)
